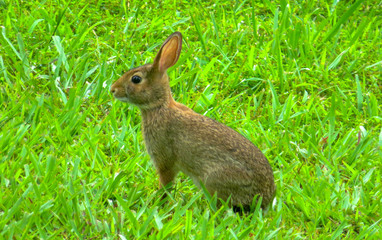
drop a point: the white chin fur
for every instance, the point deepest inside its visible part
(123, 99)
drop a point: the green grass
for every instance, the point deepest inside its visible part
(301, 79)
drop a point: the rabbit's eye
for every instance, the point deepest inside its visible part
(136, 79)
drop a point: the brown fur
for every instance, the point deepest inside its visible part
(178, 139)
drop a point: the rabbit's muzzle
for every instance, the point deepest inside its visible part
(119, 93)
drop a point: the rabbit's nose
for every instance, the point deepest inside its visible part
(113, 89)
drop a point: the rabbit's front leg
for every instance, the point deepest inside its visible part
(166, 177)
(165, 180)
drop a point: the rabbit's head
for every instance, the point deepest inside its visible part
(147, 86)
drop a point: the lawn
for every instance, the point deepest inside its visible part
(301, 79)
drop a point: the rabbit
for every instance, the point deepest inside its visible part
(179, 139)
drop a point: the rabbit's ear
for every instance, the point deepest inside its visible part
(169, 53)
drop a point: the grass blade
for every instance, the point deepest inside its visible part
(334, 30)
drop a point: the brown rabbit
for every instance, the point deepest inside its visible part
(179, 139)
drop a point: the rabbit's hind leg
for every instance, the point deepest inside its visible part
(226, 184)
